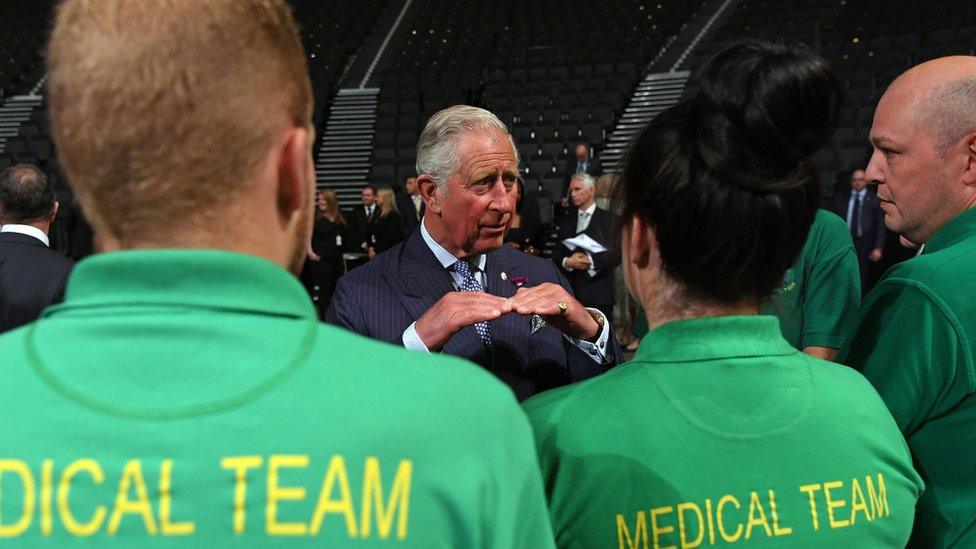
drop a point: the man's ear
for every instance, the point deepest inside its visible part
(430, 193)
(969, 173)
(54, 211)
(295, 183)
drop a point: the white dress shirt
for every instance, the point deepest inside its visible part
(28, 230)
(411, 340)
(859, 197)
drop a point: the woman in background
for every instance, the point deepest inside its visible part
(524, 230)
(324, 264)
(387, 232)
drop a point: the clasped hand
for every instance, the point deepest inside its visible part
(578, 261)
(457, 310)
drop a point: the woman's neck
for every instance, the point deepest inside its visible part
(673, 303)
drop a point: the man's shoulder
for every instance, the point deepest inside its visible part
(24, 246)
(946, 271)
(533, 263)
(373, 269)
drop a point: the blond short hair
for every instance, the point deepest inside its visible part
(163, 108)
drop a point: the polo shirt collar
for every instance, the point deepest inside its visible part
(207, 279)
(28, 230)
(445, 257)
(720, 337)
(961, 226)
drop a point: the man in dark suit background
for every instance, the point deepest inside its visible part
(411, 206)
(859, 206)
(581, 162)
(590, 274)
(362, 218)
(452, 287)
(32, 276)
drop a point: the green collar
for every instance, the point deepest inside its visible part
(711, 338)
(204, 279)
(959, 227)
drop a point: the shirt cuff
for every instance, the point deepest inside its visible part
(591, 271)
(564, 264)
(412, 341)
(597, 351)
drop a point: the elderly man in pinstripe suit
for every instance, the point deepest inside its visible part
(453, 288)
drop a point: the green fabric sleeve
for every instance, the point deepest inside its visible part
(911, 348)
(515, 505)
(833, 294)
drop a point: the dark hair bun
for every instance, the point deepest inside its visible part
(725, 177)
(760, 111)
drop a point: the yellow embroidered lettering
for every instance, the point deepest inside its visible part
(73, 527)
(777, 531)
(879, 499)
(167, 527)
(20, 469)
(858, 503)
(336, 473)
(278, 493)
(682, 527)
(373, 496)
(757, 516)
(640, 532)
(658, 531)
(834, 504)
(811, 490)
(47, 474)
(240, 465)
(132, 475)
(721, 524)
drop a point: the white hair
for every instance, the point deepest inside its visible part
(950, 112)
(587, 179)
(437, 154)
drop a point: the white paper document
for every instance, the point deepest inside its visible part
(587, 245)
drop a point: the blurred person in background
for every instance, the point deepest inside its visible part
(524, 231)
(32, 275)
(330, 233)
(387, 228)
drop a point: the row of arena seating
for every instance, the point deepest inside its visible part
(21, 43)
(331, 33)
(558, 73)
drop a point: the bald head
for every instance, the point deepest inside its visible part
(941, 97)
(924, 139)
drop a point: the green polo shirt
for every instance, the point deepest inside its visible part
(915, 341)
(817, 302)
(190, 398)
(719, 432)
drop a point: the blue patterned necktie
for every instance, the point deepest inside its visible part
(470, 284)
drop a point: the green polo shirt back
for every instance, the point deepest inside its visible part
(190, 398)
(719, 432)
(915, 341)
(817, 302)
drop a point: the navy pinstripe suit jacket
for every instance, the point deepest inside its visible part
(383, 297)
